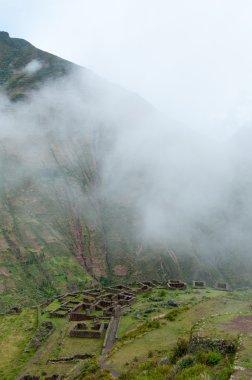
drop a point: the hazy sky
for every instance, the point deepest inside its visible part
(190, 58)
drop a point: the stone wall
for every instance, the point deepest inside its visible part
(96, 331)
(199, 284)
(222, 285)
(206, 344)
(176, 284)
(81, 317)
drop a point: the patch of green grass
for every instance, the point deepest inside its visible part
(15, 334)
(91, 370)
(197, 372)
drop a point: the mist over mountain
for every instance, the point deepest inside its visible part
(98, 186)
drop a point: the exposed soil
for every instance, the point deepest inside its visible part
(4, 271)
(242, 323)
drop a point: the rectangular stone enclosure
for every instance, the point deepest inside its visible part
(176, 284)
(81, 330)
(199, 284)
(222, 285)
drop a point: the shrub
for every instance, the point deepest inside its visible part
(90, 366)
(201, 357)
(213, 357)
(153, 324)
(224, 374)
(186, 361)
(172, 315)
(197, 372)
(209, 358)
(179, 350)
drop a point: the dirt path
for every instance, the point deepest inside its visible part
(111, 339)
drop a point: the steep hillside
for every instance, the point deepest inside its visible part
(19, 61)
(65, 220)
(56, 232)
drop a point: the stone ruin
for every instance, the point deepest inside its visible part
(221, 286)
(70, 358)
(34, 377)
(95, 311)
(176, 285)
(94, 308)
(81, 330)
(199, 284)
(224, 346)
(61, 312)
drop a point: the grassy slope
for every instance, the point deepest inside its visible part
(15, 334)
(136, 338)
(164, 338)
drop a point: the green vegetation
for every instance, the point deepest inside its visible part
(58, 235)
(91, 371)
(152, 347)
(15, 334)
(57, 232)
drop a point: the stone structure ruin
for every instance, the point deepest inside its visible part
(221, 285)
(205, 344)
(199, 284)
(81, 330)
(97, 313)
(93, 309)
(176, 285)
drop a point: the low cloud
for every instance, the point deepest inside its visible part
(185, 190)
(32, 67)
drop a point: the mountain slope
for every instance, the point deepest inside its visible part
(56, 232)
(19, 61)
(69, 214)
